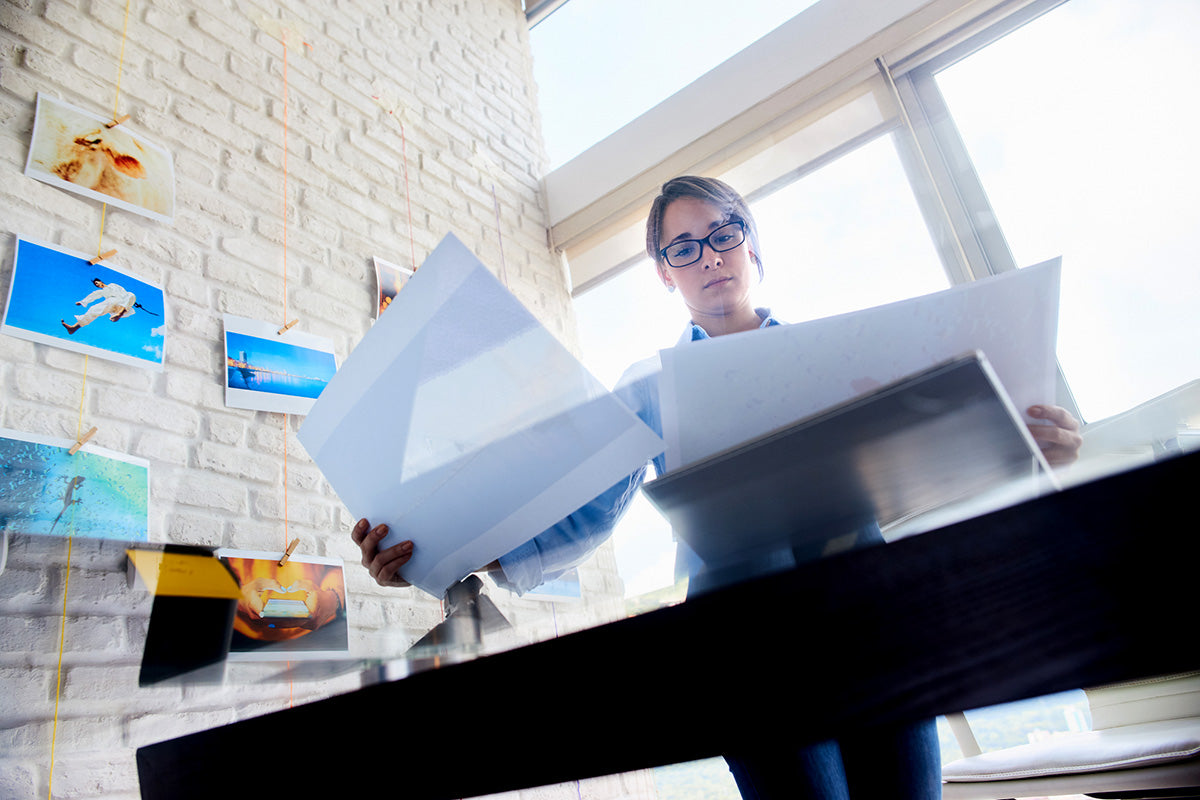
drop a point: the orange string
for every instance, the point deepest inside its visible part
(283, 34)
(62, 637)
(285, 172)
(62, 630)
(121, 63)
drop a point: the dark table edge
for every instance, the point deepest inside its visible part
(1087, 586)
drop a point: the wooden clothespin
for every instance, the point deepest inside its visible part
(117, 122)
(82, 440)
(288, 554)
(102, 257)
(287, 327)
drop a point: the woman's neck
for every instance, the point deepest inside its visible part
(745, 319)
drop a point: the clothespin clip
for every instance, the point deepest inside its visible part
(288, 554)
(287, 327)
(119, 121)
(102, 257)
(82, 440)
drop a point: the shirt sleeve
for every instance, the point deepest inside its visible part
(570, 541)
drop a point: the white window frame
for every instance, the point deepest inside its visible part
(791, 82)
(814, 63)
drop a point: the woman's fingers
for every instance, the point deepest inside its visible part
(382, 564)
(1060, 440)
(385, 566)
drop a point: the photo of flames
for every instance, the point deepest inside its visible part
(290, 611)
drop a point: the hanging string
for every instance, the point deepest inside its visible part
(286, 417)
(100, 238)
(62, 628)
(488, 169)
(62, 637)
(412, 247)
(499, 237)
(390, 104)
(285, 272)
(121, 63)
(285, 182)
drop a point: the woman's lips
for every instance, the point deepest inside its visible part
(716, 281)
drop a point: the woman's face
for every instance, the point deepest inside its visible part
(718, 284)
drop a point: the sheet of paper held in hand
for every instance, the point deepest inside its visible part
(464, 425)
(720, 393)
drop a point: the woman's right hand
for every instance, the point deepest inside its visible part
(382, 564)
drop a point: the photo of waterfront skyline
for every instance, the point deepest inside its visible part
(267, 371)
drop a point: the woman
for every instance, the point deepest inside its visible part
(704, 242)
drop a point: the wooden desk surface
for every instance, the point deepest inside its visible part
(1088, 586)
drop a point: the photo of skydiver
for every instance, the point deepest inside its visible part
(47, 281)
(109, 298)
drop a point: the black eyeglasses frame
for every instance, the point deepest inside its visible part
(707, 240)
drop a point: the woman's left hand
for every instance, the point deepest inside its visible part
(1060, 440)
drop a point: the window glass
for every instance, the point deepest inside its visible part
(1027, 721)
(599, 64)
(1081, 127)
(848, 236)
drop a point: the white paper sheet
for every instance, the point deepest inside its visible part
(464, 425)
(720, 393)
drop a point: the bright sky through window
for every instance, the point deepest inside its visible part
(1094, 159)
(599, 64)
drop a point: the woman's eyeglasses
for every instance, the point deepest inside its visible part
(686, 252)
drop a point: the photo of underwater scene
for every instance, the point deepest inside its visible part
(95, 493)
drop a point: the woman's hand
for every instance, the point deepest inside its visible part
(1060, 440)
(383, 565)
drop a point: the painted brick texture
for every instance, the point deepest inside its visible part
(205, 79)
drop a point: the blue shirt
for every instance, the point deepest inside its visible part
(573, 539)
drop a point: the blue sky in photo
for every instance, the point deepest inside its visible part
(280, 356)
(46, 285)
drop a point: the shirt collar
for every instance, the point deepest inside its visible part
(694, 333)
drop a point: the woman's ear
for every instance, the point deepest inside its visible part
(665, 277)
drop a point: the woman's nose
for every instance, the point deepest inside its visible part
(710, 258)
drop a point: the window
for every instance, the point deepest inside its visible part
(600, 63)
(1080, 127)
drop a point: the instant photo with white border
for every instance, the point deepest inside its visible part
(95, 494)
(269, 371)
(76, 150)
(389, 280)
(321, 615)
(58, 298)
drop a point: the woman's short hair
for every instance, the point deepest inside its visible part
(710, 190)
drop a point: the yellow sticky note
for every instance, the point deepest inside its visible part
(183, 574)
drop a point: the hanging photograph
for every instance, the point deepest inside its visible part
(390, 279)
(564, 587)
(293, 611)
(269, 371)
(57, 298)
(75, 150)
(96, 493)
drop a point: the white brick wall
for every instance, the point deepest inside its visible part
(205, 80)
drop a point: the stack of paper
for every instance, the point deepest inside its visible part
(720, 393)
(465, 426)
